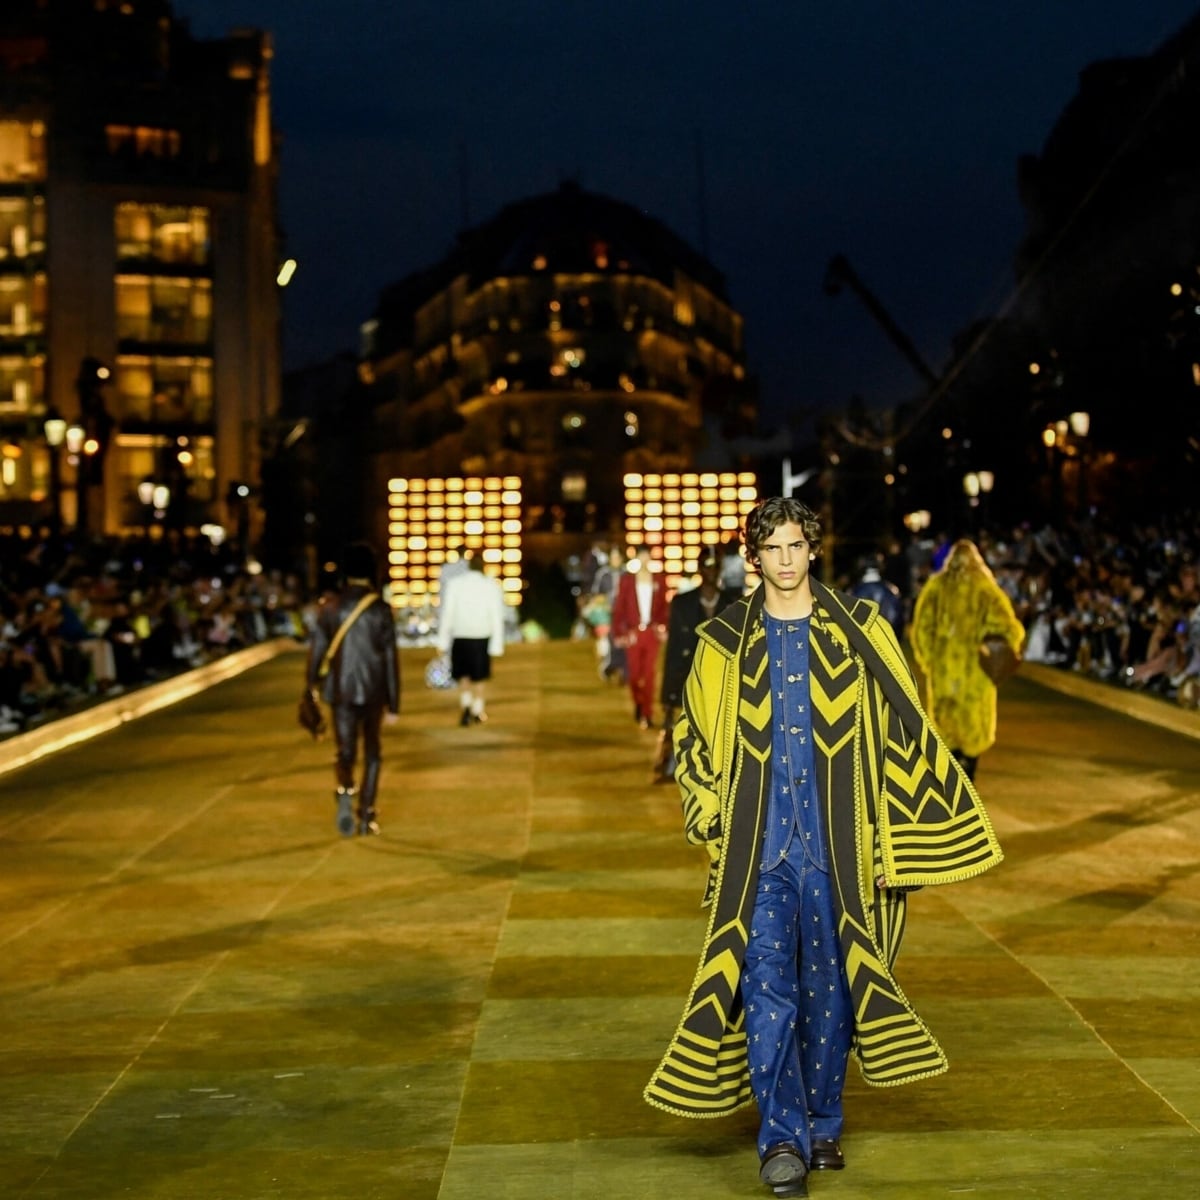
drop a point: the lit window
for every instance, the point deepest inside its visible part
(142, 141)
(22, 151)
(163, 233)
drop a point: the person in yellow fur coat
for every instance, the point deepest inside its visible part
(956, 609)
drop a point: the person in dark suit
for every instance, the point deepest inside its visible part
(353, 659)
(688, 610)
(872, 585)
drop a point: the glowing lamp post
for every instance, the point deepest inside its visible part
(1080, 423)
(978, 486)
(55, 430)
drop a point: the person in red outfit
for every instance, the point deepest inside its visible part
(639, 623)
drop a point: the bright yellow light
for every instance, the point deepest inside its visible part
(467, 510)
(677, 514)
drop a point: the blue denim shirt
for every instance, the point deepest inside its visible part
(793, 816)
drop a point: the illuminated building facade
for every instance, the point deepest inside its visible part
(432, 520)
(568, 342)
(680, 515)
(138, 255)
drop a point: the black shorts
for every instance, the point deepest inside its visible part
(469, 659)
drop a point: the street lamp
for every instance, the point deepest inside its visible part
(154, 497)
(977, 485)
(83, 450)
(1080, 423)
(54, 427)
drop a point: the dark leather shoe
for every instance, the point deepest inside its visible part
(826, 1155)
(345, 812)
(783, 1171)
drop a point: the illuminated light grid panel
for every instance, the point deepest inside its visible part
(678, 516)
(427, 518)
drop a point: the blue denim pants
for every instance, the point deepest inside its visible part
(799, 1017)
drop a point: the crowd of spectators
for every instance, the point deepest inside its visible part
(1119, 603)
(82, 619)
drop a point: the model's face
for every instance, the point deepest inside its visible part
(784, 559)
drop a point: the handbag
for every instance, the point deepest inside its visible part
(437, 672)
(998, 659)
(309, 712)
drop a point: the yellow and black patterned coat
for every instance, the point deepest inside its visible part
(896, 806)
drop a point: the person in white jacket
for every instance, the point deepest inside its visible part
(471, 629)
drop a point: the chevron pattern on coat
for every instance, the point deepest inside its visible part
(897, 807)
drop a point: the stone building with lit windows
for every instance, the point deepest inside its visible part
(569, 341)
(139, 313)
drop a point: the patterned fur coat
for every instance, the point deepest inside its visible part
(896, 806)
(956, 609)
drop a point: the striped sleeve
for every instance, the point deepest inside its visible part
(694, 771)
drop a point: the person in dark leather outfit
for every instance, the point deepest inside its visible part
(362, 683)
(872, 586)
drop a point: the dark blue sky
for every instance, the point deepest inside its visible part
(884, 131)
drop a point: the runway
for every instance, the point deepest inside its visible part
(206, 992)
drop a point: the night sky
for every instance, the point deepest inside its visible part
(887, 132)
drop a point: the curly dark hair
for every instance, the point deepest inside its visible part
(769, 514)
